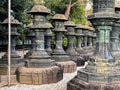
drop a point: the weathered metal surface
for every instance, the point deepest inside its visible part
(59, 55)
(115, 44)
(82, 33)
(70, 26)
(48, 39)
(40, 68)
(102, 71)
(16, 60)
(31, 36)
(39, 57)
(102, 5)
(79, 35)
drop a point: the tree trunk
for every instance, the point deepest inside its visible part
(68, 8)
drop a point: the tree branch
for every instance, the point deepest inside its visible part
(75, 3)
(82, 1)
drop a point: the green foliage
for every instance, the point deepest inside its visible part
(3, 15)
(20, 8)
(65, 42)
(74, 40)
(78, 14)
(56, 6)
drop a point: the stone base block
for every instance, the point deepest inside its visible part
(68, 66)
(77, 84)
(4, 80)
(4, 70)
(38, 76)
(14, 67)
(80, 61)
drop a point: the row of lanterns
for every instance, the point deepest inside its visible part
(42, 65)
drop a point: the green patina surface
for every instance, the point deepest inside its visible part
(104, 33)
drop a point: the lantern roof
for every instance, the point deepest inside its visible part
(59, 17)
(39, 9)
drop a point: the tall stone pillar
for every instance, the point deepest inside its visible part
(40, 68)
(59, 55)
(71, 49)
(102, 71)
(16, 60)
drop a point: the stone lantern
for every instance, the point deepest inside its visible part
(79, 36)
(102, 71)
(59, 55)
(86, 33)
(82, 32)
(31, 36)
(48, 39)
(87, 40)
(40, 68)
(114, 37)
(70, 49)
(94, 40)
(90, 37)
(16, 60)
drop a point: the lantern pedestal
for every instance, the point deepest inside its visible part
(38, 76)
(40, 68)
(83, 85)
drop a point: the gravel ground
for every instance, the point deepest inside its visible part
(61, 85)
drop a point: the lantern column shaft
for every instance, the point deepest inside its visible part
(79, 42)
(70, 42)
(59, 40)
